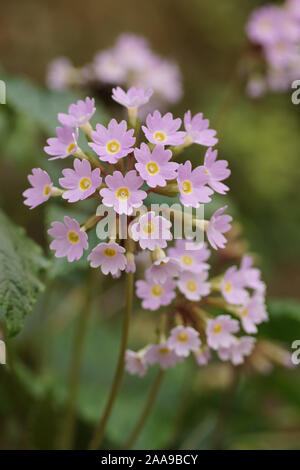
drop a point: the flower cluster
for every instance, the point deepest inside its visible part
(130, 62)
(276, 29)
(127, 162)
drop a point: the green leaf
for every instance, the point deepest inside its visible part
(21, 266)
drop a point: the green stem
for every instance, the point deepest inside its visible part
(68, 429)
(98, 435)
(146, 411)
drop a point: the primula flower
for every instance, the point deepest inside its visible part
(151, 231)
(109, 256)
(163, 130)
(155, 168)
(114, 142)
(80, 182)
(218, 225)
(263, 26)
(135, 363)
(79, 113)
(190, 255)
(183, 340)
(220, 331)
(233, 287)
(252, 313)
(192, 185)
(155, 295)
(163, 355)
(163, 269)
(133, 98)
(198, 130)
(133, 52)
(41, 188)
(193, 285)
(216, 171)
(69, 239)
(123, 193)
(202, 356)
(251, 275)
(238, 350)
(64, 144)
(58, 74)
(107, 67)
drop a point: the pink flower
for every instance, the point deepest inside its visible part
(197, 130)
(252, 313)
(108, 68)
(41, 188)
(109, 256)
(123, 193)
(155, 168)
(163, 130)
(193, 285)
(69, 239)
(133, 98)
(133, 52)
(64, 144)
(238, 350)
(58, 74)
(163, 269)
(251, 275)
(219, 331)
(218, 225)
(80, 182)
(151, 231)
(163, 355)
(135, 363)
(216, 171)
(155, 295)
(202, 356)
(79, 113)
(263, 26)
(233, 287)
(191, 185)
(190, 255)
(183, 340)
(112, 143)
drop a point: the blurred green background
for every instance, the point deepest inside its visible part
(261, 141)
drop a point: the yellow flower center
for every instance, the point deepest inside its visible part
(206, 171)
(245, 312)
(47, 190)
(152, 168)
(113, 146)
(110, 252)
(73, 236)
(156, 290)
(187, 260)
(191, 286)
(187, 187)
(217, 328)
(71, 147)
(160, 136)
(228, 287)
(123, 193)
(164, 350)
(149, 227)
(182, 337)
(85, 183)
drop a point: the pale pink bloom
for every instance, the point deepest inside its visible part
(69, 239)
(64, 144)
(79, 113)
(81, 182)
(216, 170)
(122, 192)
(163, 269)
(151, 231)
(133, 52)
(202, 356)
(133, 98)
(220, 331)
(163, 355)
(155, 295)
(233, 287)
(108, 69)
(256, 87)
(193, 285)
(238, 350)
(183, 340)
(218, 225)
(198, 130)
(190, 255)
(135, 363)
(109, 256)
(263, 26)
(192, 185)
(251, 276)
(59, 73)
(155, 167)
(163, 130)
(41, 188)
(252, 313)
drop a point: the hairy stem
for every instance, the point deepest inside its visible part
(97, 438)
(145, 412)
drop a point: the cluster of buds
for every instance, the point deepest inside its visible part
(276, 29)
(130, 62)
(129, 163)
